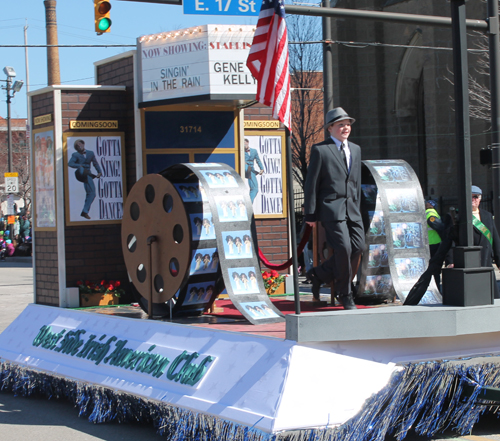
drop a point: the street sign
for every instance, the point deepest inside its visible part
(11, 182)
(10, 205)
(222, 7)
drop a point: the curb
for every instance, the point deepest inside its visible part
(25, 259)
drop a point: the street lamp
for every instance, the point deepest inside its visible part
(16, 87)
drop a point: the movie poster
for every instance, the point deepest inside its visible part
(44, 179)
(94, 176)
(264, 172)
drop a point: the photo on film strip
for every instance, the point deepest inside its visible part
(377, 226)
(259, 310)
(407, 235)
(402, 200)
(231, 208)
(202, 226)
(199, 293)
(244, 280)
(237, 244)
(191, 192)
(219, 178)
(204, 261)
(380, 284)
(409, 269)
(392, 173)
(377, 256)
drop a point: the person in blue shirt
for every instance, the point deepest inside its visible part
(81, 160)
(251, 155)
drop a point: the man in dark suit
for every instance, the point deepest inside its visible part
(332, 196)
(81, 161)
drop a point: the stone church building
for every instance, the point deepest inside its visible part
(401, 92)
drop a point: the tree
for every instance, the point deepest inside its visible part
(306, 80)
(20, 164)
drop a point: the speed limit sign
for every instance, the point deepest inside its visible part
(11, 183)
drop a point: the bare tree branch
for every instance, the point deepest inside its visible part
(306, 63)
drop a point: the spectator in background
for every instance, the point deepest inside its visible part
(436, 231)
(3, 246)
(16, 230)
(24, 228)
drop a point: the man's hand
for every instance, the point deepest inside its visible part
(261, 172)
(99, 175)
(311, 224)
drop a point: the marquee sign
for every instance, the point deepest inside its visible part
(206, 61)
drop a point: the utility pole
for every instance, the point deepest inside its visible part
(327, 61)
(16, 87)
(494, 47)
(9, 128)
(28, 124)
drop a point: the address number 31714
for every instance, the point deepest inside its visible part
(190, 129)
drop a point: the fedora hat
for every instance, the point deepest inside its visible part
(337, 114)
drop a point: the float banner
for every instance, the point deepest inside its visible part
(246, 379)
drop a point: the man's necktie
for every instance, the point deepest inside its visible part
(342, 152)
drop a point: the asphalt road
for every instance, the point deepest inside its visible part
(40, 419)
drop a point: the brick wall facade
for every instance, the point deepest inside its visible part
(45, 243)
(93, 252)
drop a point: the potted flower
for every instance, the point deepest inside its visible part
(99, 293)
(273, 282)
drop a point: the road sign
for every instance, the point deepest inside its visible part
(222, 7)
(10, 205)
(11, 183)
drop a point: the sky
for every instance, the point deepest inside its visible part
(75, 22)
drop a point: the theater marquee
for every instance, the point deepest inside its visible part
(205, 61)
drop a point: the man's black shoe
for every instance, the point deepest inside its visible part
(316, 283)
(85, 215)
(347, 301)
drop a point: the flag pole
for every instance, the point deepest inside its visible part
(291, 218)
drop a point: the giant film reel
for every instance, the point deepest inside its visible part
(155, 229)
(187, 233)
(396, 247)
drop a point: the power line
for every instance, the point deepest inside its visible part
(362, 45)
(66, 45)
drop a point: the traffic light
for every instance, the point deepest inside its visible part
(101, 13)
(486, 156)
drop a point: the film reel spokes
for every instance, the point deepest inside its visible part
(155, 238)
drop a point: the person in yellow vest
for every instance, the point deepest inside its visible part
(435, 229)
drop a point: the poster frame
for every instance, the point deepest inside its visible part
(284, 201)
(80, 134)
(34, 211)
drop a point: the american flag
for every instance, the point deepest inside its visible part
(268, 60)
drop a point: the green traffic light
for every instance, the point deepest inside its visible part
(104, 24)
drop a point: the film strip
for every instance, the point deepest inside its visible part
(397, 246)
(204, 233)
